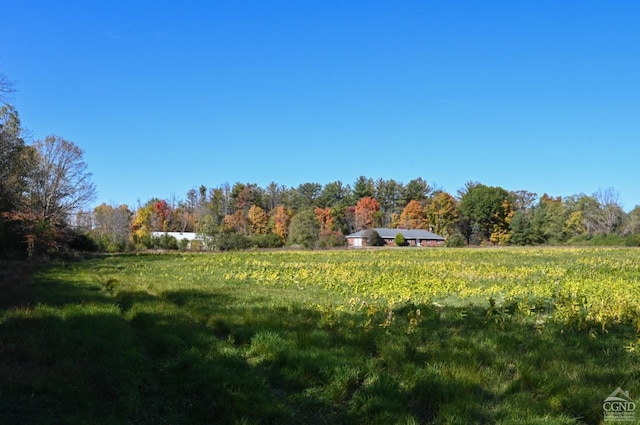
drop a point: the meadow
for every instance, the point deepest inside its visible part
(386, 336)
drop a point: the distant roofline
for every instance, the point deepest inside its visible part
(390, 233)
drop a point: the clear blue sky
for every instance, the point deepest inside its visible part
(166, 96)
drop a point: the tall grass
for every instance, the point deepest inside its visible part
(349, 337)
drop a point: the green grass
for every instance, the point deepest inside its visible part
(504, 336)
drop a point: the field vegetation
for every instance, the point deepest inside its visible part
(405, 336)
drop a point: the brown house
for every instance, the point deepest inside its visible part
(414, 237)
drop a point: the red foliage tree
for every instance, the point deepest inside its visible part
(365, 213)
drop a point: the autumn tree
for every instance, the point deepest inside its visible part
(500, 232)
(412, 216)
(325, 218)
(141, 224)
(281, 219)
(236, 222)
(442, 214)
(258, 220)
(161, 216)
(365, 213)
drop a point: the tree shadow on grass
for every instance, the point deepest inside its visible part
(94, 354)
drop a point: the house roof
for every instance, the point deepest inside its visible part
(178, 235)
(387, 233)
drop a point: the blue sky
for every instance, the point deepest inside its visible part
(167, 96)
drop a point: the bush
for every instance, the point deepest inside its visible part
(164, 242)
(183, 244)
(400, 240)
(231, 242)
(597, 240)
(456, 240)
(82, 242)
(329, 239)
(268, 240)
(632, 240)
(373, 238)
(606, 240)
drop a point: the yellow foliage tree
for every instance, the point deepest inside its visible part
(258, 220)
(141, 224)
(501, 232)
(442, 214)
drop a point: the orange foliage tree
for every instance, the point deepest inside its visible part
(325, 218)
(281, 218)
(412, 216)
(366, 213)
(236, 221)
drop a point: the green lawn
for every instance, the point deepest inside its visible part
(406, 336)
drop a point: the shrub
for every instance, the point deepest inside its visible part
(183, 244)
(606, 240)
(231, 242)
(455, 240)
(164, 242)
(400, 240)
(82, 242)
(267, 240)
(329, 239)
(632, 240)
(373, 238)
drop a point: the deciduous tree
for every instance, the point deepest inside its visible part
(412, 216)
(17, 160)
(325, 218)
(365, 213)
(281, 218)
(61, 182)
(258, 220)
(442, 214)
(304, 228)
(484, 207)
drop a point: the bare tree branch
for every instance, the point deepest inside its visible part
(61, 183)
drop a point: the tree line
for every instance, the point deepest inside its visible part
(314, 215)
(41, 185)
(45, 187)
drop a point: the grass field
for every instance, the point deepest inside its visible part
(391, 336)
